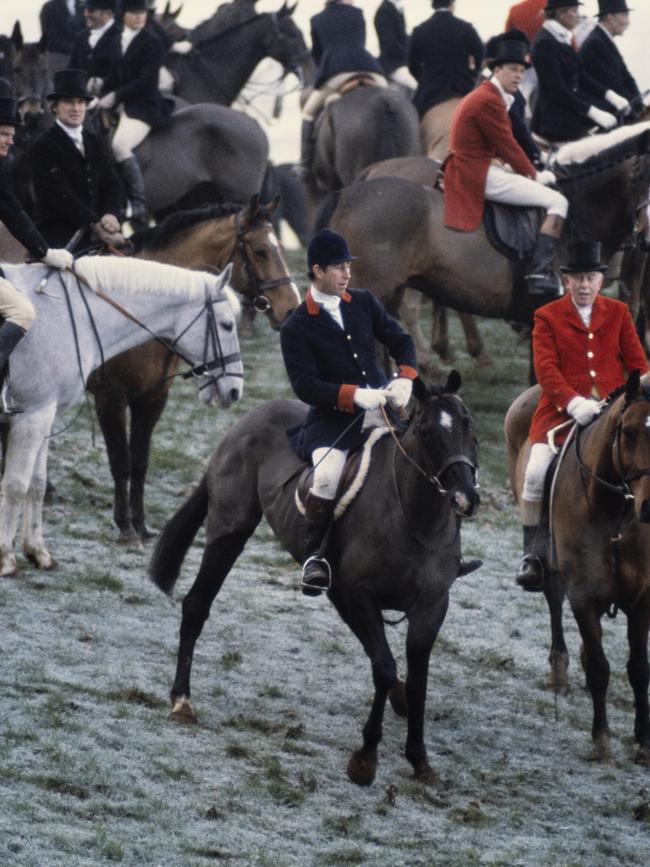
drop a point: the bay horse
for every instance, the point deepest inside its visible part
(434, 128)
(397, 546)
(396, 229)
(600, 517)
(138, 381)
(77, 326)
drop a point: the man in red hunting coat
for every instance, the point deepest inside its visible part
(485, 162)
(527, 16)
(584, 346)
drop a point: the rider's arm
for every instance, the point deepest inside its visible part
(19, 223)
(496, 126)
(152, 60)
(52, 186)
(388, 331)
(546, 359)
(552, 80)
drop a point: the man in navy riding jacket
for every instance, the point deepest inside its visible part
(328, 345)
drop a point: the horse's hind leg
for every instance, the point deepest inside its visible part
(558, 658)
(596, 670)
(639, 677)
(110, 405)
(218, 559)
(145, 414)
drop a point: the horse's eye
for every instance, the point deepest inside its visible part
(261, 253)
(630, 435)
(228, 326)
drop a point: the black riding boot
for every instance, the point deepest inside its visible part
(307, 149)
(10, 336)
(316, 571)
(542, 279)
(531, 567)
(134, 184)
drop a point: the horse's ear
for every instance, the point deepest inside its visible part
(253, 207)
(282, 11)
(419, 390)
(453, 382)
(292, 9)
(166, 10)
(175, 15)
(272, 205)
(17, 36)
(632, 386)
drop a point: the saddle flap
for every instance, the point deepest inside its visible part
(512, 230)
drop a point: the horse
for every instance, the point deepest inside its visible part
(396, 228)
(366, 125)
(78, 326)
(600, 512)
(434, 128)
(138, 381)
(227, 48)
(397, 546)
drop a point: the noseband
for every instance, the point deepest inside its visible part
(258, 300)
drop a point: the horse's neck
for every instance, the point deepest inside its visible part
(596, 449)
(244, 53)
(207, 245)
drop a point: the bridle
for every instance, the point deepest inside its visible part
(258, 300)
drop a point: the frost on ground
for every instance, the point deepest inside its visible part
(92, 771)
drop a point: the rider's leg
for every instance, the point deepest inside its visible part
(128, 135)
(313, 104)
(509, 188)
(319, 510)
(530, 509)
(18, 313)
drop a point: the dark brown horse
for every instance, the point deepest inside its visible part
(138, 381)
(600, 516)
(396, 547)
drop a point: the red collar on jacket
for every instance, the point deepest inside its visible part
(314, 308)
(598, 314)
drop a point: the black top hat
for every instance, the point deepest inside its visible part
(583, 256)
(8, 113)
(108, 5)
(133, 5)
(328, 248)
(69, 83)
(611, 7)
(510, 48)
(560, 4)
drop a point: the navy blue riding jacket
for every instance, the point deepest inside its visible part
(338, 38)
(326, 363)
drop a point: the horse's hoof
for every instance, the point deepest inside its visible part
(8, 566)
(601, 751)
(144, 533)
(41, 558)
(183, 712)
(397, 698)
(362, 767)
(559, 685)
(427, 776)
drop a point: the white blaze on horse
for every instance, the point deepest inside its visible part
(75, 331)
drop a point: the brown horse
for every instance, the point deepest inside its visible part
(139, 380)
(396, 228)
(600, 512)
(434, 128)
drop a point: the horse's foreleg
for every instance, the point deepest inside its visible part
(145, 414)
(558, 657)
(422, 632)
(440, 333)
(409, 313)
(110, 405)
(473, 340)
(638, 673)
(218, 559)
(33, 543)
(596, 670)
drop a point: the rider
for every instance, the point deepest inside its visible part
(92, 49)
(601, 58)
(390, 26)
(60, 21)
(16, 310)
(480, 142)
(582, 345)
(74, 175)
(132, 87)
(328, 345)
(527, 16)
(338, 36)
(445, 57)
(569, 100)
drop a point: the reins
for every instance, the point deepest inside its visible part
(259, 301)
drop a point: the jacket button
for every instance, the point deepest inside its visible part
(590, 336)
(349, 336)
(590, 355)
(592, 373)
(355, 355)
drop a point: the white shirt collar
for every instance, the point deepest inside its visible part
(71, 6)
(128, 35)
(605, 30)
(508, 98)
(584, 312)
(558, 31)
(97, 32)
(73, 132)
(329, 302)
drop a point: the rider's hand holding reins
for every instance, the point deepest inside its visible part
(399, 392)
(370, 398)
(582, 409)
(184, 46)
(546, 178)
(619, 102)
(603, 118)
(58, 258)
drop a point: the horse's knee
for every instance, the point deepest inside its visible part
(384, 674)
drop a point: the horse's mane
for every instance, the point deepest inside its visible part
(141, 276)
(159, 236)
(599, 151)
(228, 17)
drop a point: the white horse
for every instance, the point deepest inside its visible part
(75, 330)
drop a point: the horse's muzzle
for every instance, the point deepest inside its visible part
(466, 504)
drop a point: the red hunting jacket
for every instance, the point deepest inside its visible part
(527, 16)
(481, 131)
(572, 360)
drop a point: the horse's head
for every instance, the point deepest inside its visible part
(283, 40)
(7, 54)
(632, 445)
(167, 20)
(30, 76)
(444, 430)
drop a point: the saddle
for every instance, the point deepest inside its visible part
(512, 230)
(354, 475)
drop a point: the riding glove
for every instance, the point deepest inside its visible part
(370, 398)
(184, 46)
(582, 409)
(546, 178)
(603, 118)
(399, 392)
(58, 258)
(107, 101)
(619, 102)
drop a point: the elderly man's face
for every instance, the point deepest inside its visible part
(6, 138)
(583, 286)
(619, 22)
(569, 16)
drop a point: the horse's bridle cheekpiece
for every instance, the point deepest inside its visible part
(259, 301)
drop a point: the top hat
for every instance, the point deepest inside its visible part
(611, 7)
(104, 5)
(560, 4)
(133, 6)
(328, 248)
(583, 256)
(69, 83)
(8, 112)
(510, 47)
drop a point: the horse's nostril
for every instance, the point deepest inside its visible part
(234, 394)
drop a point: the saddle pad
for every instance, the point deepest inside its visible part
(352, 479)
(512, 230)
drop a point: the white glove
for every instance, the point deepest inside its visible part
(370, 398)
(619, 102)
(110, 223)
(182, 47)
(582, 409)
(114, 239)
(546, 178)
(399, 392)
(107, 101)
(603, 118)
(59, 259)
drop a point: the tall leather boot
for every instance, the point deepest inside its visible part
(134, 184)
(307, 150)
(542, 279)
(531, 567)
(316, 571)
(10, 336)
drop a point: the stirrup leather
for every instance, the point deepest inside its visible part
(315, 558)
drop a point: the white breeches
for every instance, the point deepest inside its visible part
(165, 80)
(316, 99)
(128, 135)
(403, 77)
(328, 468)
(509, 188)
(15, 307)
(541, 456)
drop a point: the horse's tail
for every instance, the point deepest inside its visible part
(176, 538)
(326, 210)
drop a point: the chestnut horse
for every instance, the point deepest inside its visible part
(139, 380)
(397, 546)
(600, 516)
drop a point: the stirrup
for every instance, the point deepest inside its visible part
(321, 583)
(532, 582)
(6, 407)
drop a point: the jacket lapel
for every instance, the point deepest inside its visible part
(67, 142)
